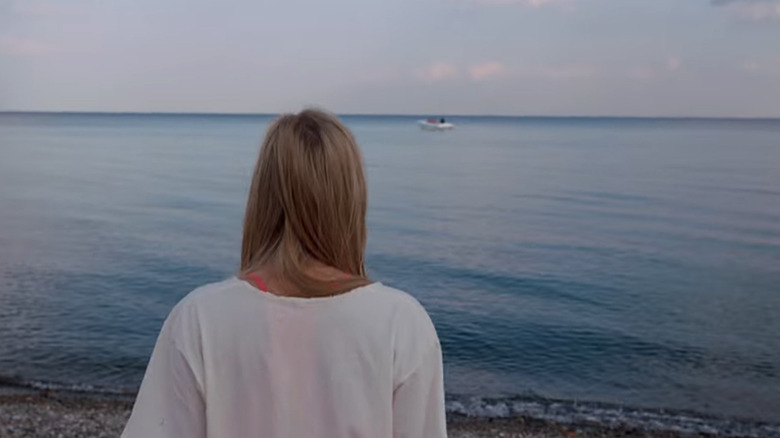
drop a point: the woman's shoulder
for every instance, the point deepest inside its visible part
(207, 301)
(412, 324)
(402, 301)
(216, 291)
(375, 301)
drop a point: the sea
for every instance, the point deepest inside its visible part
(616, 270)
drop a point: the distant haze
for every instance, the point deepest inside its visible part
(716, 58)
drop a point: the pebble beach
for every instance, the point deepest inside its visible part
(29, 415)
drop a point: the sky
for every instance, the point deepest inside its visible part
(708, 58)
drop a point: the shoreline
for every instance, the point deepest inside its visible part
(76, 415)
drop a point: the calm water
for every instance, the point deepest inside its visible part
(634, 262)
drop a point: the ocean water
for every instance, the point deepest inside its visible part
(628, 266)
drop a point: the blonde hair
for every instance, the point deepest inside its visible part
(307, 200)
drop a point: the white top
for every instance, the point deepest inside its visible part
(232, 361)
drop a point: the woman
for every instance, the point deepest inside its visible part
(301, 343)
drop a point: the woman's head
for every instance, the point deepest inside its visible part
(307, 201)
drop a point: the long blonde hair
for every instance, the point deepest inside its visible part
(307, 200)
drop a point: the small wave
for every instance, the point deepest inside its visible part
(533, 406)
(67, 388)
(568, 412)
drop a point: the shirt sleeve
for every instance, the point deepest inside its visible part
(169, 403)
(418, 402)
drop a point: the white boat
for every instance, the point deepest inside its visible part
(435, 125)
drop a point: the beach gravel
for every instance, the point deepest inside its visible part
(34, 416)
(70, 417)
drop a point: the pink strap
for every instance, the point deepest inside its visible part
(258, 281)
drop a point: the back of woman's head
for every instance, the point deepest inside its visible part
(307, 202)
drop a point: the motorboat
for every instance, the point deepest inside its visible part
(435, 125)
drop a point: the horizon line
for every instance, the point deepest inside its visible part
(372, 114)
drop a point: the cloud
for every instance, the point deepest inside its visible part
(642, 73)
(567, 6)
(750, 65)
(379, 75)
(34, 9)
(486, 70)
(529, 3)
(767, 64)
(561, 72)
(40, 9)
(16, 46)
(673, 63)
(438, 71)
(441, 71)
(656, 70)
(753, 10)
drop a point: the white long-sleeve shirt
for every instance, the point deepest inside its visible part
(232, 361)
